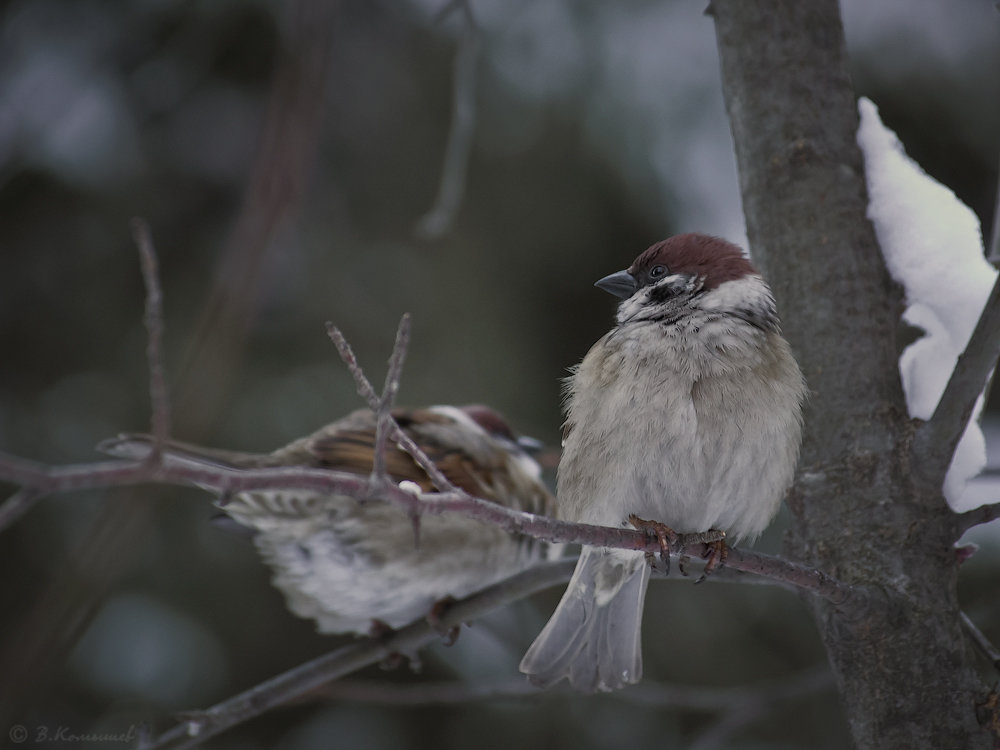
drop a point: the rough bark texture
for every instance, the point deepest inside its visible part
(906, 675)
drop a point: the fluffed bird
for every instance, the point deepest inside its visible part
(348, 564)
(686, 413)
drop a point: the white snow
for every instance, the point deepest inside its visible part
(933, 247)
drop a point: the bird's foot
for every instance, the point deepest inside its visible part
(449, 635)
(663, 534)
(715, 553)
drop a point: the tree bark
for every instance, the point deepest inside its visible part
(905, 672)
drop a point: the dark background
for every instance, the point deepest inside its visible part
(283, 154)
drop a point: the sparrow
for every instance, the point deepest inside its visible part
(687, 412)
(356, 566)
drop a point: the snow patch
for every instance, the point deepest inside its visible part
(933, 247)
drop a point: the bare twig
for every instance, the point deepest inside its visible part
(153, 319)
(977, 516)
(199, 727)
(17, 505)
(367, 392)
(440, 218)
(222, 480)
(935, 441)
(383, 415)
(981, 641)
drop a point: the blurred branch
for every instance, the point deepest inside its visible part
(284, 159)
(197, 727)
(935, 440)
(153, 319)
(439, 219)
(17, 505)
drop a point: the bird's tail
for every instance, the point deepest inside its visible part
(136, 446)
(594, 637)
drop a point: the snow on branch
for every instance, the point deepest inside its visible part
(933, 247)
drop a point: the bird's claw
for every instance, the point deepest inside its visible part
(715, 553)
(663, 534)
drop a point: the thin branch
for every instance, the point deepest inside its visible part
(17, 505)
(224, 480)
(935, 441)
(367, 392)
(383, 415)
(439, 219)
(981, 641)
(153, 319)
(977, 516)
(200, 726)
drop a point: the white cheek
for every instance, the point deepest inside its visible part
(749, 291)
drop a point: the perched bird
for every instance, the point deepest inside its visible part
(352, 565)
(687, 413)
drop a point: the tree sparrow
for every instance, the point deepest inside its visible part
(687, 412)
(350, 565)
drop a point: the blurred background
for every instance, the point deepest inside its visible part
(287, 156)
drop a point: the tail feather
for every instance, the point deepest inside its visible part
(594, 636)
(136, 446)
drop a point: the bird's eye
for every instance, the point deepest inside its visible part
(657, 271)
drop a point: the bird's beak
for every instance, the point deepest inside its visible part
(621, 284)
(530, 445)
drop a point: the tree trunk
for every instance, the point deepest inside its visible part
(904, 667)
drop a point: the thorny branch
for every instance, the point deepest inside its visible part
(368, 393)
(224, 480)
